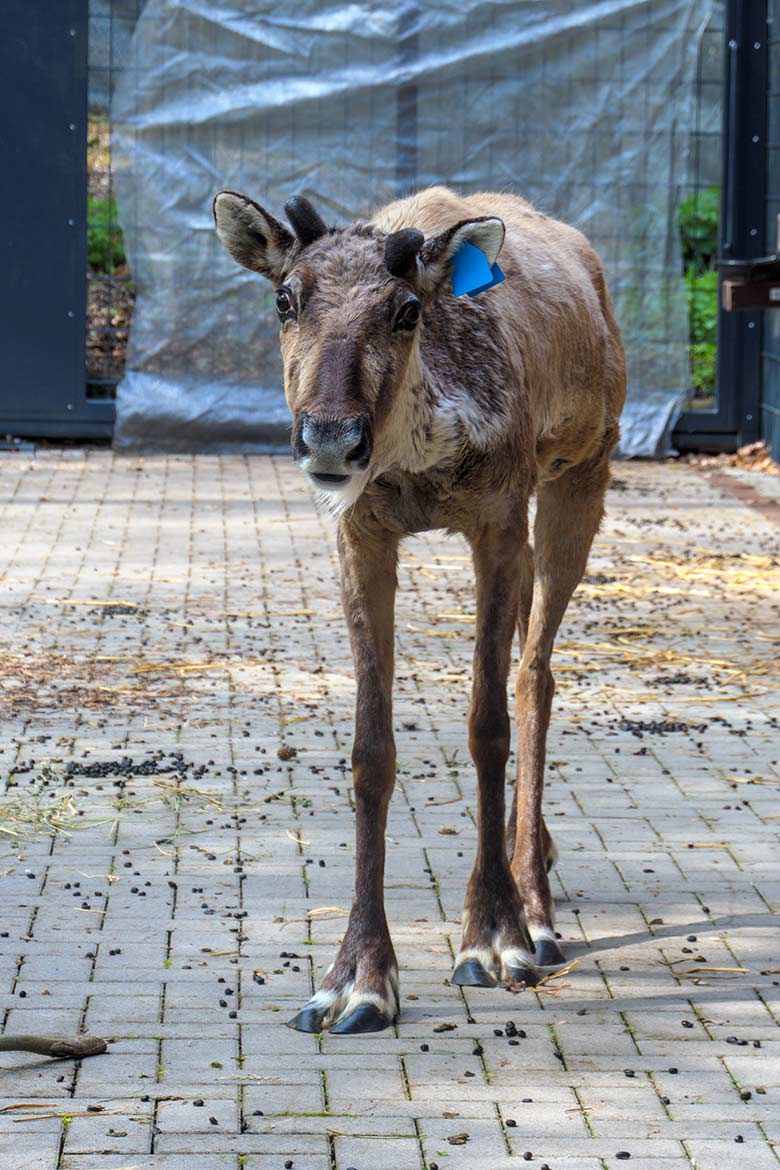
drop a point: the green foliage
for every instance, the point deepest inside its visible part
(699, 219)
(702, 291)
(105, 246)
(703, 357)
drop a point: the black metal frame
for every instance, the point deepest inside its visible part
(736, 420)
(43, 389)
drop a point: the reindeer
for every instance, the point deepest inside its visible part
(415, 410)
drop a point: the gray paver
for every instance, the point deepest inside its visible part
(181, 613)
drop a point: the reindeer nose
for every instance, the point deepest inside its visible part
(331, 450)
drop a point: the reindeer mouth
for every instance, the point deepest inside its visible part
(327, 479)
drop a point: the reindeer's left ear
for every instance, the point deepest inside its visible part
(437, 252)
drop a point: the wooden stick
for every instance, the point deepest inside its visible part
(61, 1047)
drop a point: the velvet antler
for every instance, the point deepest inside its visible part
(307, 223)
(401, 250)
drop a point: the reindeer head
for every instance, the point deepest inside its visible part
(349, 301)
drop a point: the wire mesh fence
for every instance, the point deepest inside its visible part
(698, 212)
(770, 355)
(419, 138)
(110, 288)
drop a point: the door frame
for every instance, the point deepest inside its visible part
(736, 418)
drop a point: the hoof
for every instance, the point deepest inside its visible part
(489, 968)
(308, 1019)
(471, 973)
(345, 1011)
(524, 974)
(548, 953)
(367, 1017)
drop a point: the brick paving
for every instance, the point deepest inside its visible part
(168, 880)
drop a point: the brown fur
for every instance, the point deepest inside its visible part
(489, 400)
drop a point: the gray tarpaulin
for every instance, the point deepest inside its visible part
(584, 107)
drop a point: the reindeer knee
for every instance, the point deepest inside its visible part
(535, 684)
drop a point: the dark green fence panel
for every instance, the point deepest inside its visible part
(43, 99)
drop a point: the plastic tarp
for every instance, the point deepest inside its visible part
(583, 106)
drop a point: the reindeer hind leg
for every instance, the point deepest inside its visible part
(569, 510)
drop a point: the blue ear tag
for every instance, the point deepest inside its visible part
(471, 273)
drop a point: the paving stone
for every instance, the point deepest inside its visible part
(711, 1155)
(146, 1161)
(378, 1153)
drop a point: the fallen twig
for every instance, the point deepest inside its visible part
(60, 1047)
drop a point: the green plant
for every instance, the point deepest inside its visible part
(703, 356)
(699, 220)
(105, 245)
(702, 290)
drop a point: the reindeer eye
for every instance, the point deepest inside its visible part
(284, 304)
(408, 316)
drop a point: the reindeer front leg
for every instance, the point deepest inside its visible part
(360, 991)
(496, 944)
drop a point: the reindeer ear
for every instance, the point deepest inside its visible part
(437, 252)
(253, 237)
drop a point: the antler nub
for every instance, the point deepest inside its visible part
(307, 223)
(401, 250)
